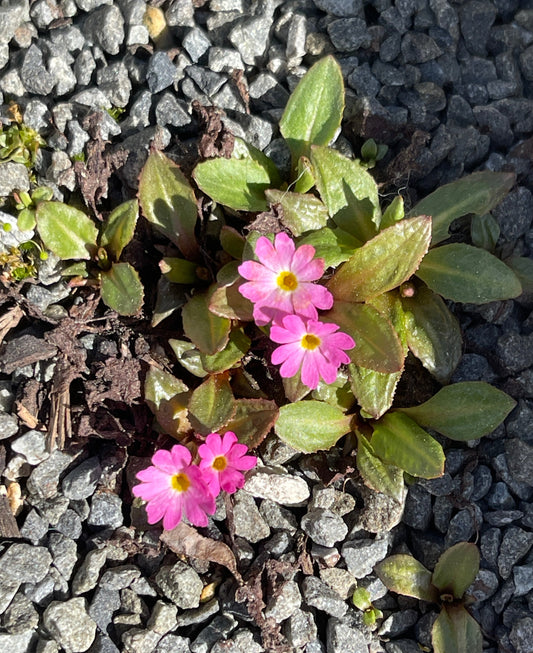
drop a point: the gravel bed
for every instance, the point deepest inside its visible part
(448, 86)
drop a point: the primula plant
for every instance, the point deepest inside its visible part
(300, 299)
(455, 630)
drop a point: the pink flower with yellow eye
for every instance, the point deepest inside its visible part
(315, 348)
(223, 460)
(174, 489)
(281, 283)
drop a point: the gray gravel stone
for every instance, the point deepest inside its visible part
(324, 527)
(276, 484)
(113, 80)
(34, 527)
(251, 38)
(20, 616)
(25, 564)
(278, 517)
(8, 426)
(81, 482)
(173, 644)
(462, 527)
(70, 625)
(285, 603)
(87, 575)
(19, 642)
(181, 584)
(247, 519)
(340, 580)
(219, 628)
(344, 638)
(34, 74)
(418, 48)
(106, 510)
(117, 578)
(345, 8)
(64, 553)
(520, 460)
(105, 25)
(162, 618)
(522, 634)
(361, 555)
(160, 73)
(349, 34)
(515, 545)
(104, 603)
(196, 43)
(13, 176)
(514, 213)
(398, 623)
(320, 596)
(300, 628)
(417, 513)
(32, 445)
(476, 19)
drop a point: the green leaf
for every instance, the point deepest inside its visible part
(212, 404)
(26, 220)
(252, 420)
(349, 192)
(168, 202)
(333, 245)
(239, 182)
(238, 345)
(464, 273)
(122, 289)
(377, 475)
(167, 398)
(433, 333)
(170, 297)
(119, 228)
(361, 598)
(403, 574)
(374, 391)
(207, 331)
(377, 345)
(188, 356)
(384, 262)
(66, 231)
(456, 569)
(227, 301)
(337, 393)
(294, 389)
(179, 270)
(523, 268)
(393, 213)
(232, 242)
(456, 631)
(300, 212)
(477, 193)
(463, 411)
(398, 440)
(304, 175)
(484, 231)
(310, 426)
(314, 111)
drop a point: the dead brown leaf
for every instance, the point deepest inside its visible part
(185, 540)
(216, 140)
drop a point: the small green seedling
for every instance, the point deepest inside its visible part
(455, 630)
(371, 152)
(72, 236)
(19, 143)
(361, 600)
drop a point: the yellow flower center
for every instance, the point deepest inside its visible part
(287, 281)
(180, 482)
(220, 463)
(310, 341)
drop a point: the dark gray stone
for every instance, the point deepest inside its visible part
(515, 213)
(161, 72)
(398, 623)
(418, 48)
(417, 513)
(81, 482)
(248, 521)
(219, 628)
(103, 605)
(34, 74)
(484, 586)
(300, 628)
(349, 34)
(344, 8)
(343, 637)
(520, 460)
(476, 19)
(514, 352)
(171, 111)
(522, 635)
(499, 497)
(515, 545)
(362, 555)
(363, 81)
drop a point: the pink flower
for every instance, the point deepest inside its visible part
(313, 346)
(222, 460)
(281, 283)
(175, 489)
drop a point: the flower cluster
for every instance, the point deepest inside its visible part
(175, 488)
(281, 288)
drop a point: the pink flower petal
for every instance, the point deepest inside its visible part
(310, 369)
(265, 252)
(230, 442)
(163, 460)
(231, 480)
(285, 250)
(291, 350)
(254, 271)
(181, 457)
(173, 514)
